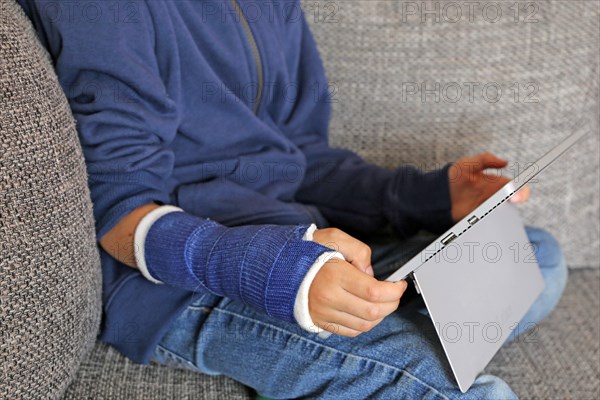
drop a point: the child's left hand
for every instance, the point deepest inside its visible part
(470, 185)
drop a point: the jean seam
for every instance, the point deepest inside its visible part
(202, 308)
(352, 356)
(182, 361)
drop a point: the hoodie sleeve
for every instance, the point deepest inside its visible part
(353, 194)
(125, 118)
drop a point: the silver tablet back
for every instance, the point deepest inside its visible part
(478, 287)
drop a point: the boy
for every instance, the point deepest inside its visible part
(221, 211)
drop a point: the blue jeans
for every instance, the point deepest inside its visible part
(401, 358)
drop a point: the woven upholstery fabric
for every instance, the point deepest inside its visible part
(560, 359)
(377, 53)
(106, 374)
(49, 264)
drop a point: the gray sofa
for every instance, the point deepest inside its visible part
(377, 54)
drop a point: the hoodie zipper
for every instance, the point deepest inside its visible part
(255, 53)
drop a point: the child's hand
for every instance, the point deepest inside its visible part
(348, 302)
(344, 298)
(354, 251)
(470, 185)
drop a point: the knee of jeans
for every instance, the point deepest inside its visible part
(547, 249)
(490, 387)
(551, 259)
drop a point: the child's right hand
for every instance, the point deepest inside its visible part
(344, 298)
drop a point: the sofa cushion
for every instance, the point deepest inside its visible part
(106, 374)
(559, 358)
(49, 264)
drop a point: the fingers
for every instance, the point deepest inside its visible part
(483, 161)
(348, 325)
(339, 329)
(489, 160)
(354, 251)
(366, 310)
(337, 300)
(372, 290)
(522, 195)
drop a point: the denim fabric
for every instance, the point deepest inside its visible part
(400, 358)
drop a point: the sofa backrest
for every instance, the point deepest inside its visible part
(50, 282)
(427, 82)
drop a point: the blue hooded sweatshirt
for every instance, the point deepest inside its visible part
(220, 108)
